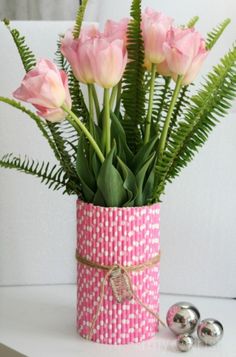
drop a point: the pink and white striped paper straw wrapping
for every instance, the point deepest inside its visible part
(127, 236)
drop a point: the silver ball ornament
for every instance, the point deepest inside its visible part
(182, 318)
(185, 342)
(210, 331)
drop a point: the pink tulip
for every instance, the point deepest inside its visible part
(77, 52)
(108, 61)
(163, 69)
(89, 31)
(185, 53)
(196, 64)
(116, 30)
(155, 27)
(147, 65)
(47, 89)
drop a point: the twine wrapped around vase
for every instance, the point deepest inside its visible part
(128, 292)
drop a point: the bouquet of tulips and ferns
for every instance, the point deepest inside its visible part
(122, 151)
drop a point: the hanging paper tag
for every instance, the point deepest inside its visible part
(120, 285)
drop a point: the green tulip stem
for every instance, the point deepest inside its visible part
(91, 109)
(107, 122)
(164, 133)
(113, 96)
(96, 102)
(79, 126)
(150, 105)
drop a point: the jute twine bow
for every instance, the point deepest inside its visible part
(126, 270)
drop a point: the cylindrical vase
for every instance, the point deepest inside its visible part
(126, 236)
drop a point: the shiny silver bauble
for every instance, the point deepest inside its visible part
(185, 342)
(210, 331)
(182, 318)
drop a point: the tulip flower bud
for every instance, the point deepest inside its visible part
(47, 89)
(185, 53)
(155, 27)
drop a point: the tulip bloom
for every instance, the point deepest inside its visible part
(77, 52)
(116, 30)
(185, 53)
(47, 89)
(108, 61)
(163, 69)
(89, 31)
(97, 57)
(155, 27)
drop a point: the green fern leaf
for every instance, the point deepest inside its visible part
(61, 138)
(216, 33)
(53, 176)
(53, 134)
(161, 101)
(133, 83)
(212, 102)
(179, 110)
(192, 22)
(60, 60)
(38, 121)
(79, 18)
(78, 103)
(27, 57)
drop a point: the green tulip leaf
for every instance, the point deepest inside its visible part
(140, 178)
(98, 199)
(142, 155)
(83, 170)
(88, 194)
(110, 182)
(96, 164)
(148, 187)
(118, 134)
(129, 183)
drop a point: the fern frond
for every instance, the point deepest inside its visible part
(192, 22)
(58, 134)
(60, 60)
(27, 57)
(79, 18)
(38, 121)
(215, 34)
(180, 108)
(57, 142)
(133, 96)
(161, 101)
(53, 176)
(212, 102)
(79, 106)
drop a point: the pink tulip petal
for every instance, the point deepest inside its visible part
(116, 30)
(64, 79)
(195, 68)
(52, 115)
(47, 89)
(155, 27)
(108, 61)
(177, 61)
(163, 69)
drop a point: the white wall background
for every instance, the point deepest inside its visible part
(37, 226)
(44, 9)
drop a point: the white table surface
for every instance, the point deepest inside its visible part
(39, 321)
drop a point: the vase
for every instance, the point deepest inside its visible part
(117, 237)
